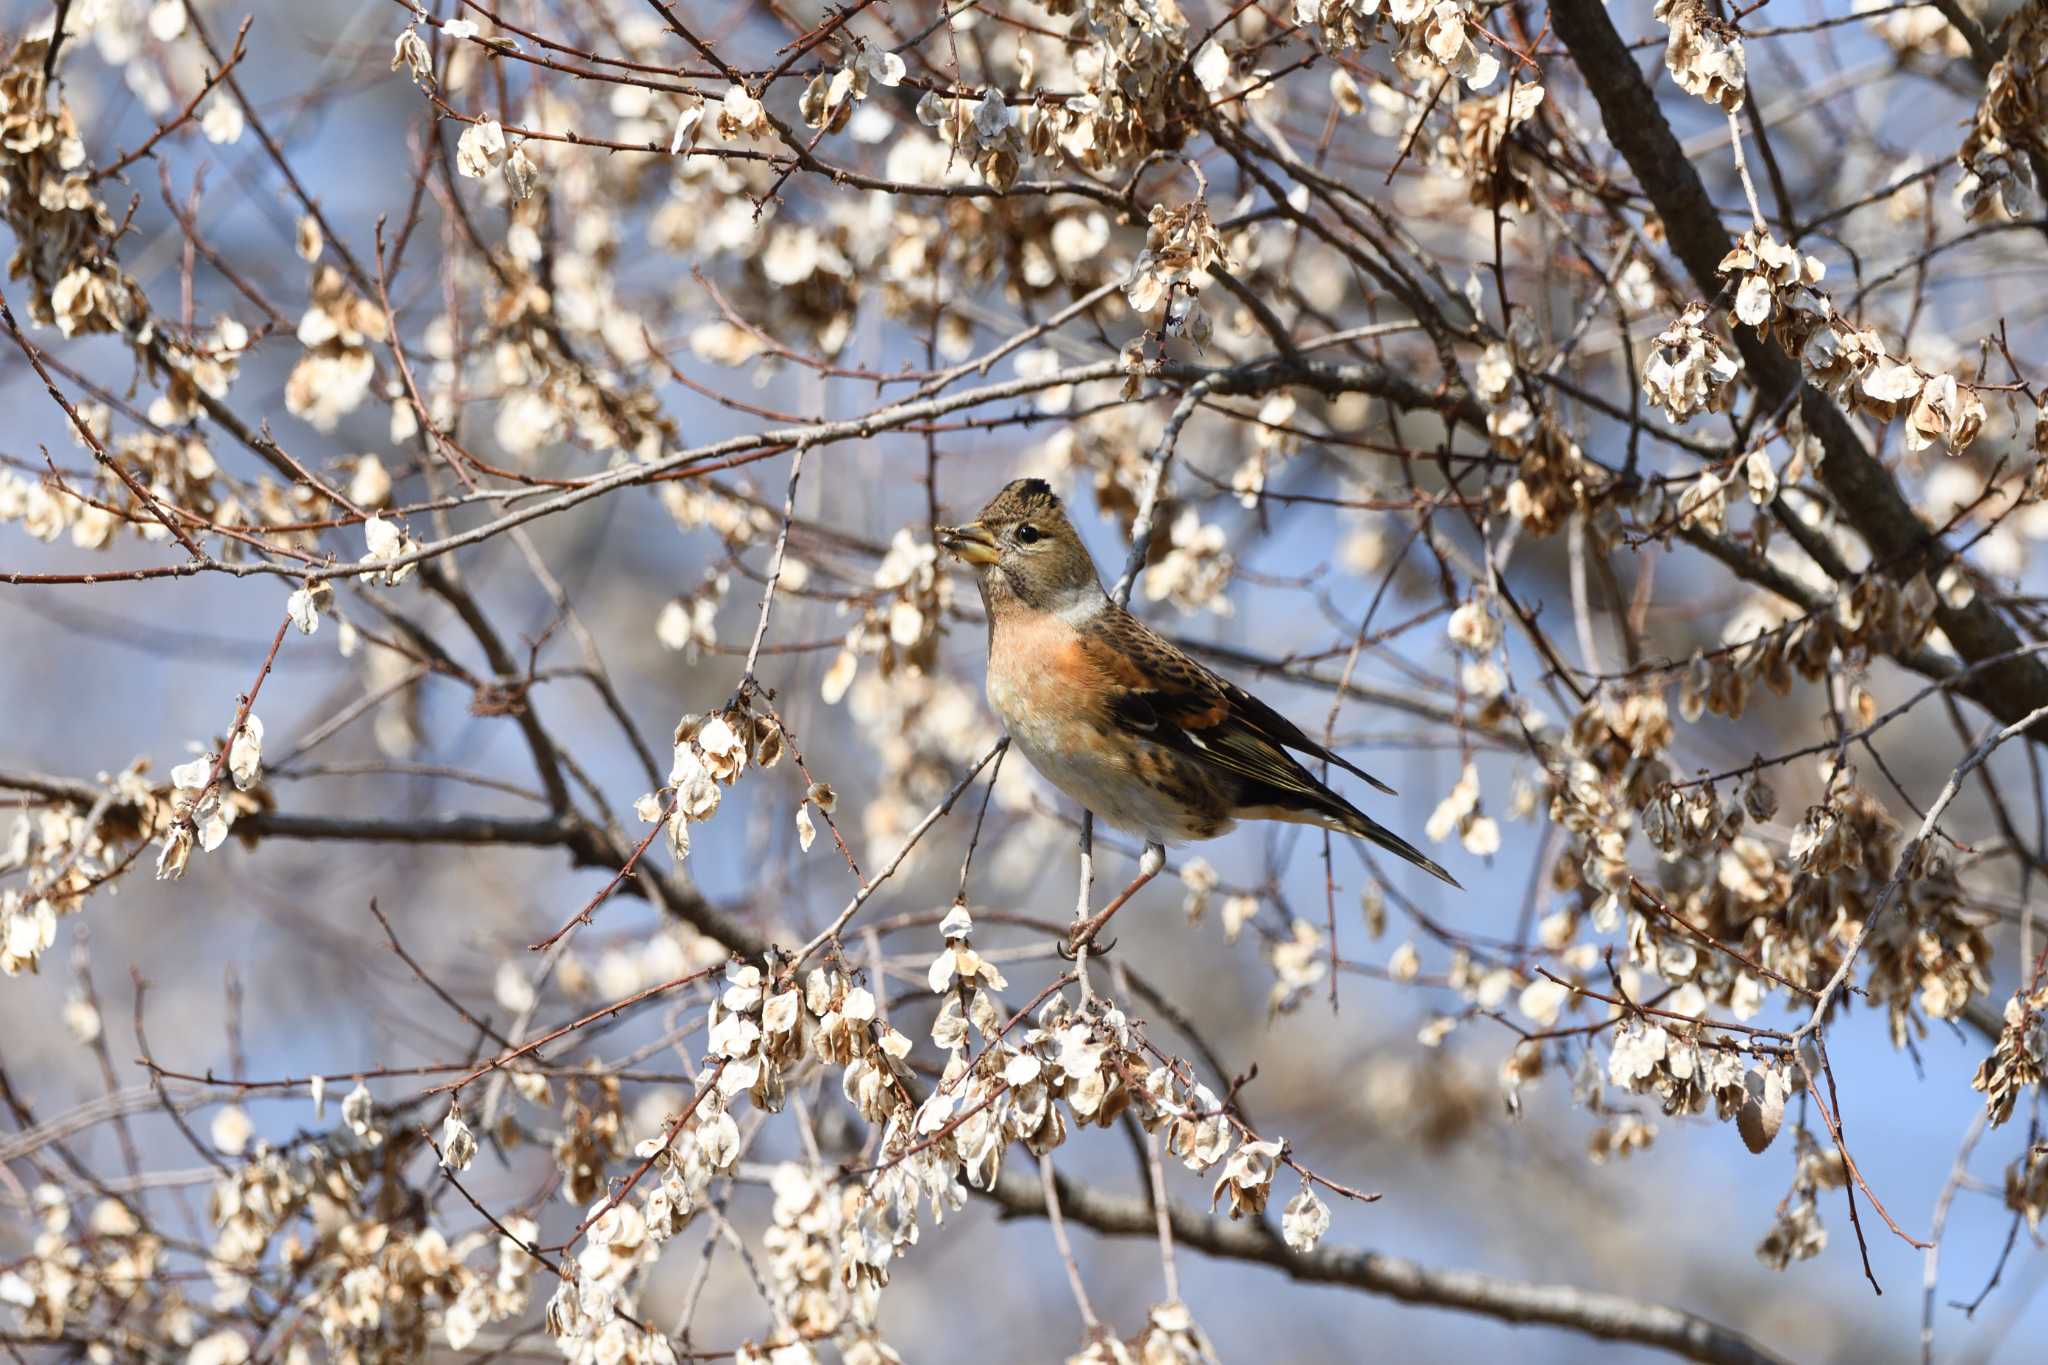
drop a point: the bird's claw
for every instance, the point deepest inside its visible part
(1076, 939)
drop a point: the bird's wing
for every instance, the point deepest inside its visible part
(1284, 731)
(1157, 692)
(1163, 695)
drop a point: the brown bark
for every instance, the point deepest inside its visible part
(1868, 495)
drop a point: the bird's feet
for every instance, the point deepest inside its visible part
(1082, 937)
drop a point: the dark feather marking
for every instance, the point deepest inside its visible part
(1160, 694)
(1221, 719)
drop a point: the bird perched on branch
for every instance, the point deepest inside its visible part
(1123, 721)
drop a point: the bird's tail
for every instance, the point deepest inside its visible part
(1355, 821)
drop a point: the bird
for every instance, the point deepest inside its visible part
(1122, 720)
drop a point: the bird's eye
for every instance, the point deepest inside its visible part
(1029, 535)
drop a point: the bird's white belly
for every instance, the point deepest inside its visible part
(1072, 756)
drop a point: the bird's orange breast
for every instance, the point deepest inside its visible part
(1042, 674)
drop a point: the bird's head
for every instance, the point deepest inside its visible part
(1022, 547)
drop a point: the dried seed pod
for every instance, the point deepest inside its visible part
(1759, 799)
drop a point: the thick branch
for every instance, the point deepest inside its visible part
(1866, 491)
(1611, 1317)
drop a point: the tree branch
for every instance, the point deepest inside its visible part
(1611, 1317)
(587, 845)
(1866, 491)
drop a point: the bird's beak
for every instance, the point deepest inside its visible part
(972, 543)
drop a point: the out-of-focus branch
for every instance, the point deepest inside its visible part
(587, 845)
(1611, 1317)
(1985, 51)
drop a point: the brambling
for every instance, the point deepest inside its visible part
(1121, 720)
